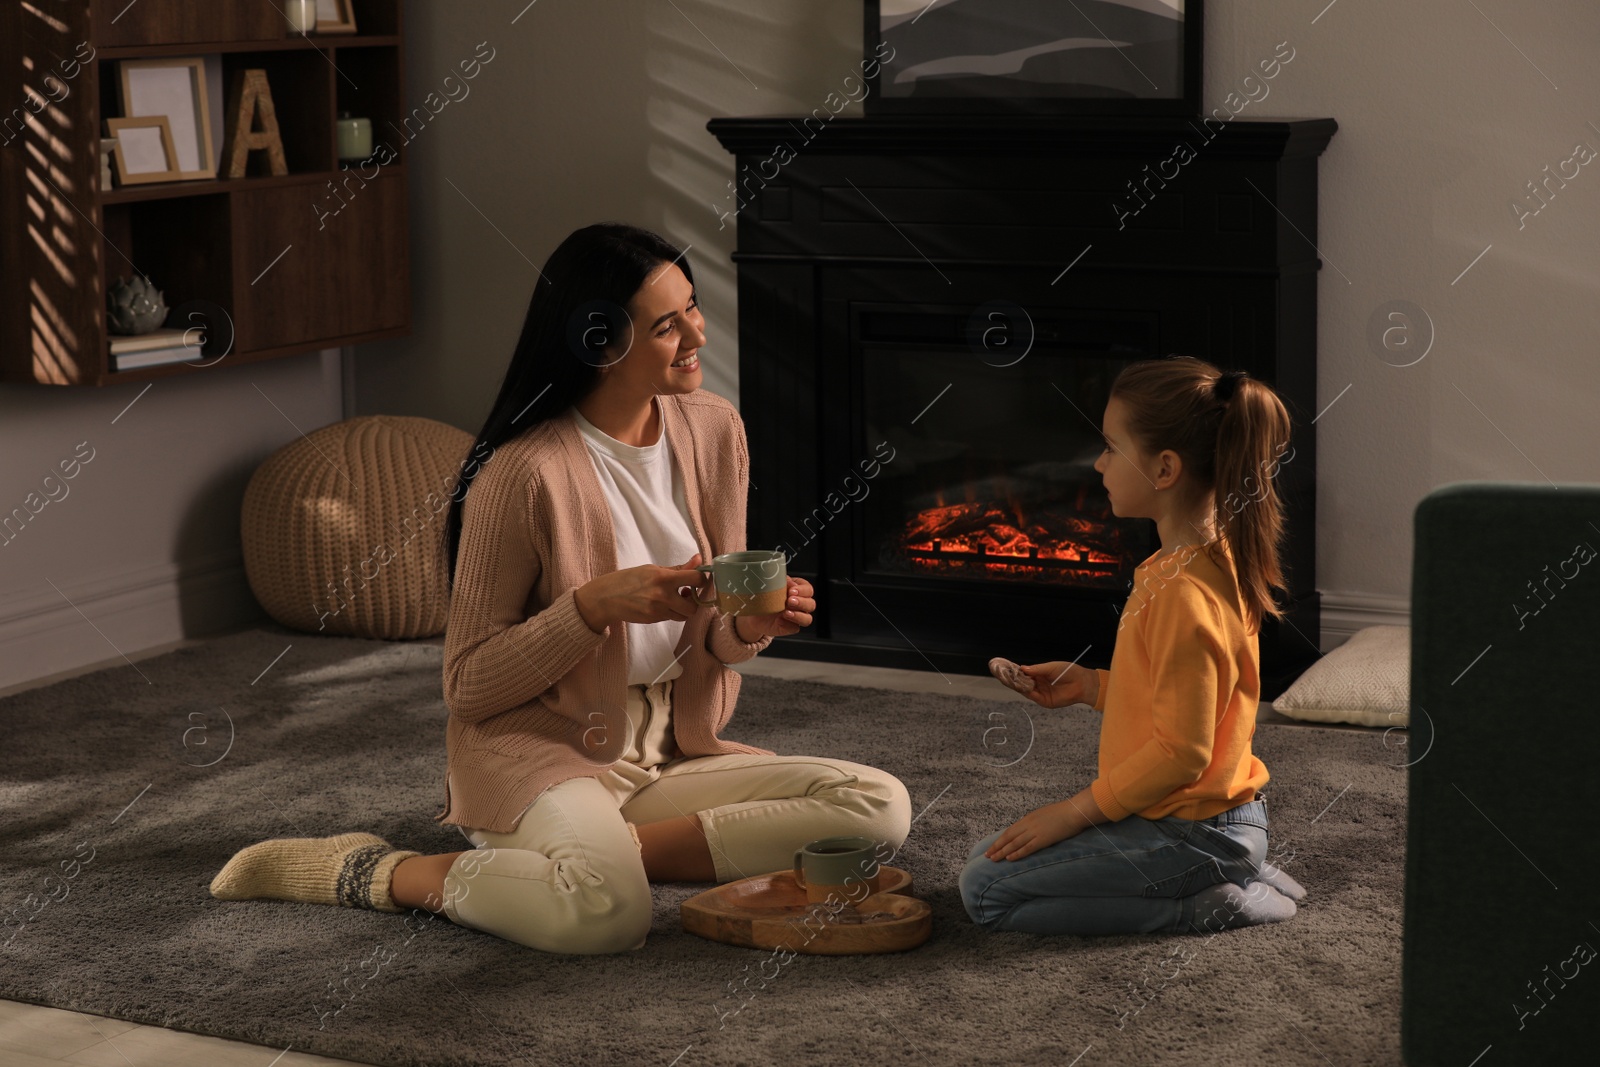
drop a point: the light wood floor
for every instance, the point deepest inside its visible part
(36, 1036)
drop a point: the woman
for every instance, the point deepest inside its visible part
(586, 684)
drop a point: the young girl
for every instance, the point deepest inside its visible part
(1172, 833)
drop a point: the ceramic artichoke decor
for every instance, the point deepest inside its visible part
(135, 306)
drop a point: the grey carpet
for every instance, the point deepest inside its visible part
(342, 734)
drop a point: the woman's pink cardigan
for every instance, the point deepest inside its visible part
(535, 696)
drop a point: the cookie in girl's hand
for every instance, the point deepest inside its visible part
(1010, 674)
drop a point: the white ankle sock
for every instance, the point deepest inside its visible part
(1275, 877)
(1226, 906)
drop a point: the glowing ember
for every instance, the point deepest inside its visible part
(1003, 540)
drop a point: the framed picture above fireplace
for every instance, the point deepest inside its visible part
(1086, 57)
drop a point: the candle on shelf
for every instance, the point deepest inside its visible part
(354, 136)
(302, 15)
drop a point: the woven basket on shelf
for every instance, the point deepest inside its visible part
(343, 530)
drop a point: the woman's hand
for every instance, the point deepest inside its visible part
(641, 594)
(1057, 684)
(797, 614)
(1038, 829)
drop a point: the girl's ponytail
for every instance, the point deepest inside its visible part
(1232, 432)
(1252, 436)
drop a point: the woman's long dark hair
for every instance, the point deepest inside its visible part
(577, 310)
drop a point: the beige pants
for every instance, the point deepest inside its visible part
(569, 877)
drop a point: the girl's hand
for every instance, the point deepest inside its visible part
(797, 615)
(1038, 829)
(1057, 684)
(641, 594)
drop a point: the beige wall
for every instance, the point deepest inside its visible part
(140, 546)
(587, 112)
(1443, 121)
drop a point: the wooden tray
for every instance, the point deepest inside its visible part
(771, 911)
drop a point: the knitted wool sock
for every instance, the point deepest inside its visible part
(352, 870)
(1225, 906)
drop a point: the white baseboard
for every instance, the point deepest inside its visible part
(1345, 613)
(103, 618)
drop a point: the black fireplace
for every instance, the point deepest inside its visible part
(931, 313)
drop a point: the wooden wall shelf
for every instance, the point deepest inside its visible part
(314, 259)
(292, 42)
(169, 190)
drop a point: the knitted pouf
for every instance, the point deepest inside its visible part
(343, 530)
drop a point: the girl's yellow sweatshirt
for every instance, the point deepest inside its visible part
(1179, 702)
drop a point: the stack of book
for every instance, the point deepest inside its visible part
(166, 345)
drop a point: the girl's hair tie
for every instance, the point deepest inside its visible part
(1226, 384)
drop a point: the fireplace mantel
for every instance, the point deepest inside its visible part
(1195, 236)
(1054, 136)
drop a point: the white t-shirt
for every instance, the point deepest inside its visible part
(650, 519)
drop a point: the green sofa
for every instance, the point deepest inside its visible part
(1502, 891)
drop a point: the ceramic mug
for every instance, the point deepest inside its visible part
(844, 868)
(749, 583)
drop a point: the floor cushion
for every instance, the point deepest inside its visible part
(1366, 680)
(343, 529)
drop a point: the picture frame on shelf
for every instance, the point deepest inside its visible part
(336, 16)
(176, 89)
(144, 150)
(1108, 57)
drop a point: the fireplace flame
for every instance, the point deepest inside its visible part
(1000, 538)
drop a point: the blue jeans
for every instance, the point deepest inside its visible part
(1134, 876)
